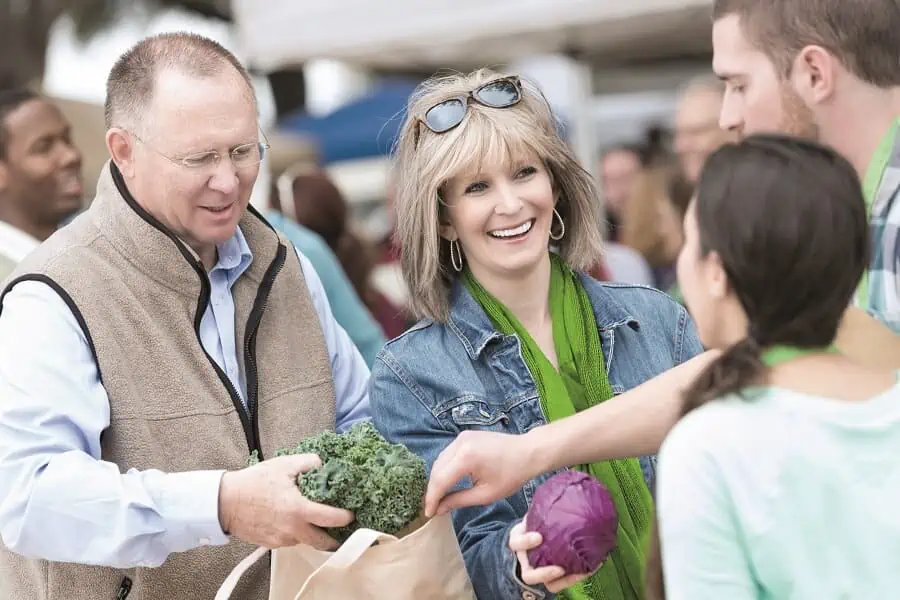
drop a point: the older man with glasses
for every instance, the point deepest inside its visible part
(148, 349)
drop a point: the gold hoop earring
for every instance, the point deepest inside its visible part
(456, 257)
(562, 227)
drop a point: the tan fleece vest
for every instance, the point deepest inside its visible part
(139, 296)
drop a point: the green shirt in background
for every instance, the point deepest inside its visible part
(871, 183)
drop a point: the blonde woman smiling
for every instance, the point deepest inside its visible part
(513, 335)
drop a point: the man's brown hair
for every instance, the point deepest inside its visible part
(129, 87)
(864, 35)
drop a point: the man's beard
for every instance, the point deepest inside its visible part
(798, 119)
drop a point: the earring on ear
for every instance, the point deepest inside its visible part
(562, 227)
(456, 257)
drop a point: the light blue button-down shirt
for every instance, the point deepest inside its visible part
(346, 305)
(60, 502)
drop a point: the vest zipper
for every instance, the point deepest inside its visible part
(253, 321)
(124, 589)
(248, 417)
(242, 412)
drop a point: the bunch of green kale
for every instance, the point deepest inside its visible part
(383, 484)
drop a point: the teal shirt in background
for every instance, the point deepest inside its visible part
(785, 496)
(349, 311)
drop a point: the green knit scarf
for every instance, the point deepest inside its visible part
(582, 382)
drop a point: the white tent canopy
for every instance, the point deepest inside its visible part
(398, 34)
(463, 34)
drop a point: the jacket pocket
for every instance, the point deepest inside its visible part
(472, 412)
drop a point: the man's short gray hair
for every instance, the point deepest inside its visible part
(129, 87)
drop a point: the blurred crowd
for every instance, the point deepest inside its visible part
(647, 187)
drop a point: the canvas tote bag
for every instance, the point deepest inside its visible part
(426, 564)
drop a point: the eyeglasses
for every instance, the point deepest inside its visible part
(242, 156)
(447, 114)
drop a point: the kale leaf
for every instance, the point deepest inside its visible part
(383, 484)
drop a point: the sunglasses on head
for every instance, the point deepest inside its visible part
(447, 114)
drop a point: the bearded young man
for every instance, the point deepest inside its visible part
(828, 70)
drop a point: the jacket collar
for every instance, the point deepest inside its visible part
(475, 330)
(469, 321)
(156, 250)
(608, 311)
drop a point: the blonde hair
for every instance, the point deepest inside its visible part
(659, 192)
(486, 135)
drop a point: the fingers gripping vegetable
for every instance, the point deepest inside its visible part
(576, 517)
(383, 484)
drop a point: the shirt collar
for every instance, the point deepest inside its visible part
(234, 256)
(15, 244)
(879, 163)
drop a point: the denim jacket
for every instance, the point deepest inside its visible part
(437, 380)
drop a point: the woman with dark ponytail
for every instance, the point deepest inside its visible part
(782, 479)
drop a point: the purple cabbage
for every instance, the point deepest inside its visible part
(576, 516)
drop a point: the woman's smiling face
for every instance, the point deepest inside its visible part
(501, 216)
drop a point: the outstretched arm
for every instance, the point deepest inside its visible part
(631, 424)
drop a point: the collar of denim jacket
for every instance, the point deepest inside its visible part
(475, 330)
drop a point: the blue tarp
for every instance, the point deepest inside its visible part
(363, 128)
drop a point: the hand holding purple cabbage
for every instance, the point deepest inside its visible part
(571, 529)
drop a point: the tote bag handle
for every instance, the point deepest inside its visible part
(354, 547)
(231, 581)
(348, 553)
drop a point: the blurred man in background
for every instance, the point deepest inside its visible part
(828, 69)
(697, 131)
(40, 174)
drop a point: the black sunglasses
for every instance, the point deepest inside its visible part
(444, 116)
